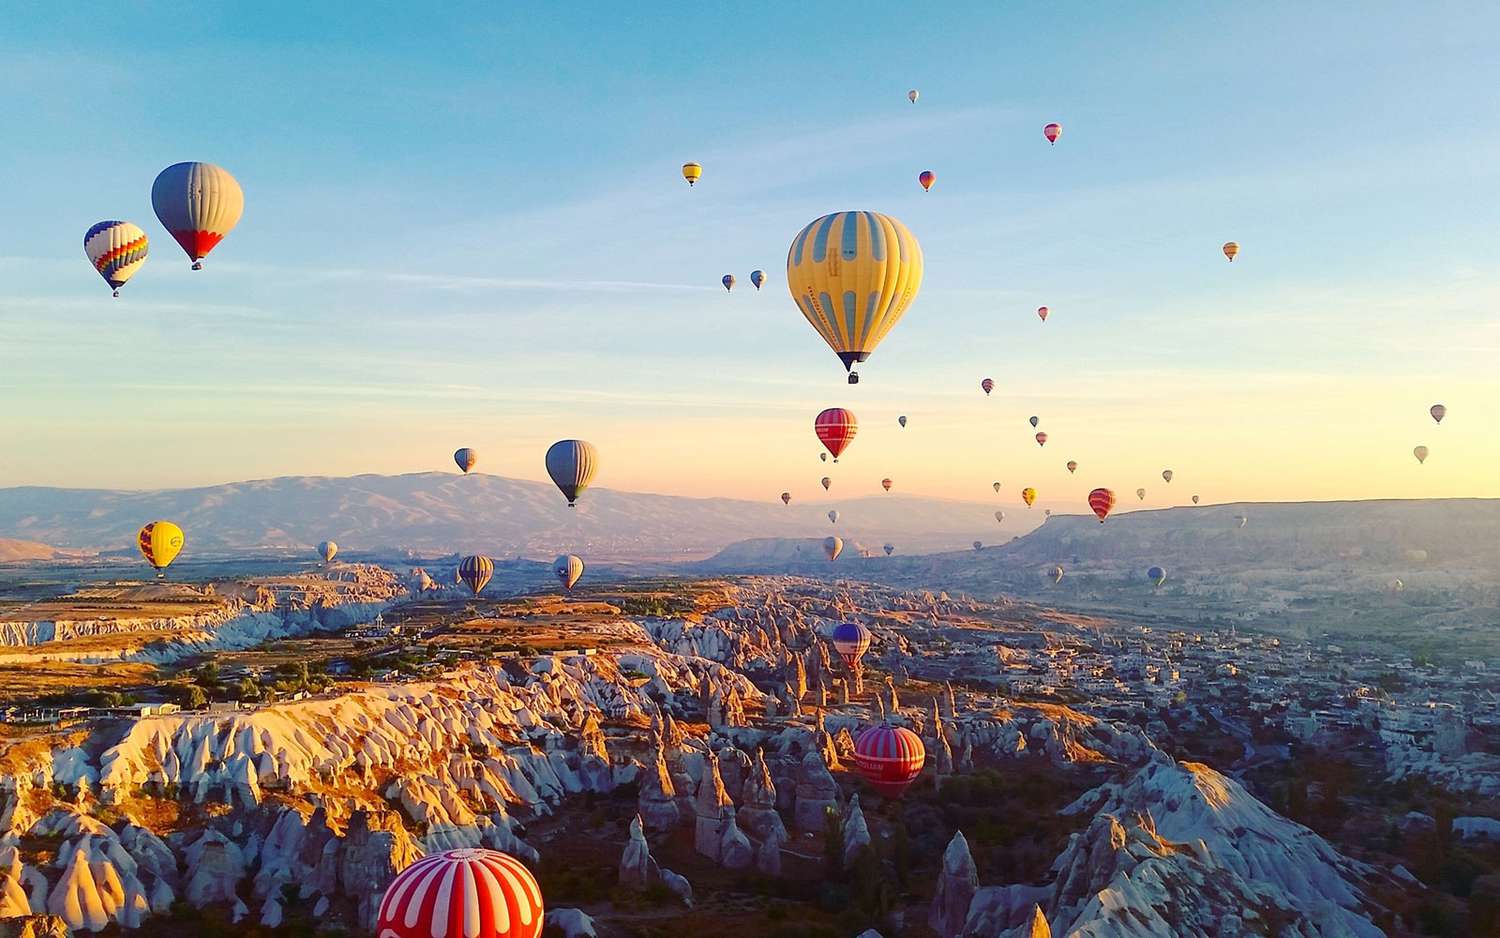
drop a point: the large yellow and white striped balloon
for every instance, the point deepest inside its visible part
(853, 275)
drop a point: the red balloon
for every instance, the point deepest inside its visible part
(927, 179)
(1041, 438)
(1052, 132)
(890, 758)
(471, 893)
(886, 483)
(988, 384)
(1102, 501)
(836, 427)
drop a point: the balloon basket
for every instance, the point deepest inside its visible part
(197, 265)
(853, 378)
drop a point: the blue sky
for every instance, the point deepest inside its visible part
(468, 228)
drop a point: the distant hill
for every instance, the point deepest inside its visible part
(13, 551)
(443, 512)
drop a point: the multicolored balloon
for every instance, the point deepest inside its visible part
(1028, 495)
(1438, 412)
(889, 549)
(1157, 575)
(826, 481)
(853, 275)
(1041, 438)
(327, 550)
(851, 640)
(836, 428)
(832, 547)
(1052, 132)
(833, 517)
(466, 458)
(786, 498)
(926, 178)
(475, 571)
(757, 277)
(1042, 312)
(1421, 453)
(568, 568)
(198, 203)
(1072, 466)
(1102, 501)
(885, 484)
(889, 758)
(728, 281)
(572, 464)
(117, 249)
(160, 542)
(1230, 250)
(467, 893)
(1166, 474)
(692, 172)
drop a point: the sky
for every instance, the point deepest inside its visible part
(469, 228)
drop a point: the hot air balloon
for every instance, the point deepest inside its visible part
(1034, 421)
(885, 484)
(927, 178)
(987, 385)
(1195, 499)
(1242, 520)
(833, 546)
(786, 498)
(1230, 250)
(833, 517)
(912, 96)
(1052, 132)
(466, 458)
(995, 486)
(466, 893)
(901, 420)
(1057, 574)
(851, 640)
(823, 457)
(757, 277)
(728, 281)
(160, 542)
(1438, 412)
(1397, 586)
(1072, 466)
(1000, 517)
(836, 428)
(1157, 575)
(568, 568)
(1141, 494)
(117, 249)
(572, 464)
(826, 482)
(1042, 312)
(1041, 438)
(1421, 453)
(979, 545)
(198, 203)
(890, 758)
(326, 550)
(1028, 495)
(1166, 474)
(692, 172)
(889, 548)
(1102, 501)
(853, 274)
(475, 571)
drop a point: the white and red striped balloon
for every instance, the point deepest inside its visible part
(470, 893)
(890, 758)
(1102, 501)
(836, 428)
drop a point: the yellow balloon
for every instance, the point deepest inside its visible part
(160, 543)
(1028, 495)
(853, 275)
(691, 172)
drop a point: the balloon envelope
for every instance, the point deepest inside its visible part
(1041, 438)
(728, 281)
(979, 545)
(1000, 517)
(826, 482)
(853, 275)
(988, 385)
(786, 498)
(851, 640)
(1034, 420)
(836, 428)
(995, 486)
(466, 458)
(572, 464)
(927, 178)
(1057, 574)
(1157, 575)
(1042, 312)
(889, 548)
(832, 547)
(117, 249)
(890, 758)
(901, 420)
(1102, 501)
(692, 172)
(1166, 474)
(833, 517)
(1421, 453)
(1072, 467)
(1438, 412)
(1052, 132)
(198, 203)
(160, 542)
(327, 550)
(466, 893)
(1230, 250)
(885, 484)
(1141, 494)
(912, 96)
(475, 571)
(757, 277)
(1195, 499)
(1028, 495)
(567, 568)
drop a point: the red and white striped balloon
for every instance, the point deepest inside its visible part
(836, 428)
(890, 758)
(470, 893)
(1102, 501)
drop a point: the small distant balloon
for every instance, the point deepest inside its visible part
(1421, 453)
(826, 481)
(1141, 494)
(568, 568)
(1042, 312)
(885, 484)
(117, 249)
(1047, 512)
(1041, 438)
(160, 542)
(832, 547)
(1057, 574)
(1102, 501)
(757, 277)
(1242, 520)
(823, 456)
(692, 172)
(889, 549)
(836, 428)
(1438, 412)
(987, 385)
(833, 517)
(1195, 499)
(912, 96)
(1166, 474)
(1072, 466)
(1028, 495)
(466, 458)
(728, 281)
(851, 640)
(927, 178)
(326, 550)
(1052, 132)
(786, 498)
(995, 486)
(1000, 517)
(1230, 250)
(1157, 575)
(475, 571)
(979, 545)
(1034, 421)
(901, 420)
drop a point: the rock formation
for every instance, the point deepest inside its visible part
(816, 793)
(956, 886)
